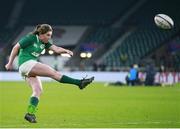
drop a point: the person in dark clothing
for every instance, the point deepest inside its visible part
(150, 74)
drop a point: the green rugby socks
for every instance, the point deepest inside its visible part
(33, 104)
(66, 79)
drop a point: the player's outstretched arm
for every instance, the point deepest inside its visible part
(60, 50)
(13, 54)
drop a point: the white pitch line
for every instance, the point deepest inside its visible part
(100, 123)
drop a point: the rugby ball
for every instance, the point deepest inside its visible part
(163, 21)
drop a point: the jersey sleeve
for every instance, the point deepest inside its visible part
(26, 41)
(48, 45)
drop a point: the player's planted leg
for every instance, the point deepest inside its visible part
(30, 115)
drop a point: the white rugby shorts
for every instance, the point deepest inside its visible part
(26, 67)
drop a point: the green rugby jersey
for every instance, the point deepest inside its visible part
(31, 48)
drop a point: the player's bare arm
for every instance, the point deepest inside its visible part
(60, 50)
(13, 54)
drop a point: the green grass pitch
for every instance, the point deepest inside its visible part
(97, 106)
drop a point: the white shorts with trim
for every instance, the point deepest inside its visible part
(26, 67)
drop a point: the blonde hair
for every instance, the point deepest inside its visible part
(42, 29)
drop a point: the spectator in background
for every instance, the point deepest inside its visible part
(123, 58)
(132, 77)
(95, 66)
(150, 74)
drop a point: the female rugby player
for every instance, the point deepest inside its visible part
(28, 50)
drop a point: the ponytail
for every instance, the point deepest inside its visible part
(36, 32)
(41, 29)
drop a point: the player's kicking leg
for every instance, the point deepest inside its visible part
(44, 70)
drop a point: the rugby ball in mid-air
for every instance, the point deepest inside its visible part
(164, 21)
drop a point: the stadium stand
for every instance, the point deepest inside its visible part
(102, 36)
(144, 37)
(136, 46)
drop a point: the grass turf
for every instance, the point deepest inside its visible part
(97, 106)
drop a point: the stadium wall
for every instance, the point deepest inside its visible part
(167, 78)
(62, 35)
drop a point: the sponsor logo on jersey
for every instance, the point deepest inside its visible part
(35, 54)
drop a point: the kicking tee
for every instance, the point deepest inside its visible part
(31, 48)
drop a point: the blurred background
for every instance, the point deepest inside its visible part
(116, 41)
(105, 35)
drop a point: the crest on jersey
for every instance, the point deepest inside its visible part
(42, 46)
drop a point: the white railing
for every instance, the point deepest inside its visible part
(167, 78)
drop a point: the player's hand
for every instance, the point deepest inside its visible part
(69, 52)
(8, 66)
